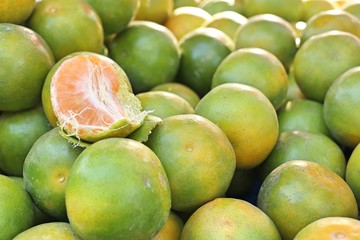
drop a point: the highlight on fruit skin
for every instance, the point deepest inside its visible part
(90, 97)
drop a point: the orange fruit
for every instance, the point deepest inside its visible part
(172, 228)
(46, 231)
(202, 51)
(46, 170)
(226, 21)
(216, 6)
(271, 33)
(352, 172)
(154, 10)
(185, 19)
(335, 19)
(115, 15)
(89, 96)
(179, 89)
(312, 7)
(124, 184)
(148, 52)
(164, 104)
(291, 10)
(16, 207)
(19, 131)
(21, 80)
(52, 18)
(199, 169)
(229, 218)
(303, 115)
(352, 7)
(308, 146)
(246, 116)
(299, 192)
(16, 12)
(331, 228)
(323, 58)
(255, 67)
(340, 104)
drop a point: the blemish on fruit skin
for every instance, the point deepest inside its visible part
(339, 235)
(163, 181)
(61, 178)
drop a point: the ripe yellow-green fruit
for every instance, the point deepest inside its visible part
(291, 10)
(202, 51)
(303, 115)
(48, 231)
(331, 228)
(68, 26)
(148, 52)
(24, 62)
(299, 192)
(124, 184)
(46, 170)
(229, 218)
(164, 104)
(322, 59)
(16, 207)
(340, 108)
(172, 228)
(255, 67)
(199, 168)
(154, 10)
(334, 19)
(19, 131)
(352, 172)
(271, 33)
(308, 146)
(115, 15)
(16, 12)
(179, 89)
(246, 116)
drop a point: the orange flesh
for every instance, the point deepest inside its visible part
(84, 91)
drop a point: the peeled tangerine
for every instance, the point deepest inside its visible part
(90, 97)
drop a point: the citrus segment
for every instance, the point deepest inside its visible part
(91, 98)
